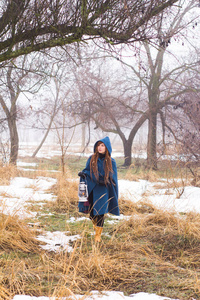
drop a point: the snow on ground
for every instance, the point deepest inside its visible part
(95, 295)
(21, 191)
(163, 198)
(57, 241)
(26, 164)
(51, 150)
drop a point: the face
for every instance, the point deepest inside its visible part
(101, 148)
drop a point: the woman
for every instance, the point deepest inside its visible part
(100, 174)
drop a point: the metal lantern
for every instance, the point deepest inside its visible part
(82, 192)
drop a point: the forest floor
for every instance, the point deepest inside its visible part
(47, 247)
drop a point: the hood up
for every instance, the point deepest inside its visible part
(106, 142)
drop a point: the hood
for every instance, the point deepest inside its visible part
(106, 142)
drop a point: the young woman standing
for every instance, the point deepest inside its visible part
(100, 174)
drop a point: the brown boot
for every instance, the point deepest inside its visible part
(98, 232)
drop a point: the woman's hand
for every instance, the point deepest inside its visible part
(81, 174)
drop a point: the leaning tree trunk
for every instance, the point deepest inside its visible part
(44, 138)
(55, 110)
(152, 141)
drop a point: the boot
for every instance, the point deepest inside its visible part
(98, 232)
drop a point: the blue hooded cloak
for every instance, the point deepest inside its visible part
(105, 197)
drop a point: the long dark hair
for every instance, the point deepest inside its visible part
(107, 164)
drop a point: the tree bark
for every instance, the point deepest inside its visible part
(14, 141)
(83, 133)
(44, 138)
(127, 144)
(154, 96)
(11, 116)
(152, 141)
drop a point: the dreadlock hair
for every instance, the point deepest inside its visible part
(107, 164)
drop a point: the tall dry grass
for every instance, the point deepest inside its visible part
(156, 251)
(7, 172)
(66, 191)
(4, 293)
(141, 173)
(17, 241)
(15, 235)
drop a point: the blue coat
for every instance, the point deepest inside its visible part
(105, 198)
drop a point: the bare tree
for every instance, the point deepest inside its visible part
(43, 117)
(14, 82)
(65, 126)
(27, 26)
(121, 105)
(105, 99)
(163, 86)
(191, 136)
(184, 121)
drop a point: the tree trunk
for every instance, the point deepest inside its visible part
(152, 141)
(83, 131)
(63, 163)
(127, 144)
(44, 138)
(14, 141)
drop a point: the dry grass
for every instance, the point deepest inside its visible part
(128, 207)
(66, 191)
(154, 251)
(145, 174)
(37, 173)
(174, 239)
(15, 235)
(177, 186)
(7, 172)
(18, 245)
(173, 184)
(4, 293)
